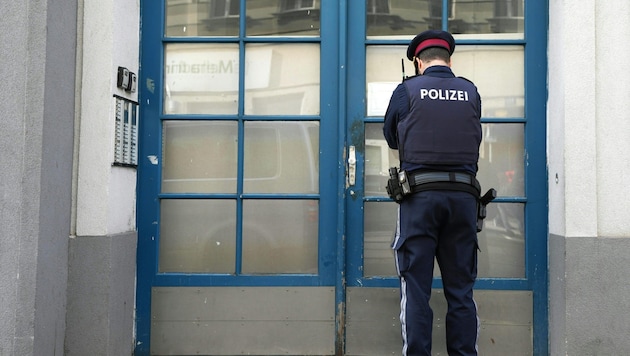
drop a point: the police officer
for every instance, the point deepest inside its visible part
(433, 119)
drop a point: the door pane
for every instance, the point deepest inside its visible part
(280, 236)
(502, 242)
(378, 159)
(402, 17)
(492, 19)
(499, 74)
(201, 78)
(202, 17)
(199, 156)
(502, 159)
(283, 18)
(197, 236)
(277, 82)
(484, 18)
(281, 157)
(379, 228)
(379, 217)
(497, 71)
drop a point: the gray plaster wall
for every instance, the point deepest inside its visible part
(101, 292)
(37, 67)
(590, 295)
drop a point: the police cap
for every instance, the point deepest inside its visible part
(430, 38)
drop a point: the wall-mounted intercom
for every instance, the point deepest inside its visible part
(127, 80)
(133, 80)
(126, 132)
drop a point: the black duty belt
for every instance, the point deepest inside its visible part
(423, 181)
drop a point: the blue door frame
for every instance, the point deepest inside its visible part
(342, 110)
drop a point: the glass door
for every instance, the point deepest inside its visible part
(239, 178)
(497, 53)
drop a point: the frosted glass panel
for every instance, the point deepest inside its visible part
(281, 157)
(502, 242)
(202, 18)
(378, 158)
(502, 159)
(280, 236)
(197, 236)
(283, 18)
(201, 78)
(277, 82)
(199, 156)
(499, 74)
(379, 227)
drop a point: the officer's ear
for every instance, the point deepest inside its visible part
(416, 65)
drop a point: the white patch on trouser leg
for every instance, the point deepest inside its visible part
(403, 313)
(403, 289)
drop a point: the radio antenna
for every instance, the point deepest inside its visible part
(402, 64)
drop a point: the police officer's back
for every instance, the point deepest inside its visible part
(433, 119)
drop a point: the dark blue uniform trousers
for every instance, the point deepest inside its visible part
(437, 225)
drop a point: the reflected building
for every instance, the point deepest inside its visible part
(301, 17)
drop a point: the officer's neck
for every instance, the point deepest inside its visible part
(432, 63)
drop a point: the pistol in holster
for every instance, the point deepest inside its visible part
(481, 207)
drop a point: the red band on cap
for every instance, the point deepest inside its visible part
(432, 42)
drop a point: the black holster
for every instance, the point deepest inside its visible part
(482, 202)
(398, 185)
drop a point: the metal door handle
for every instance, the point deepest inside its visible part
(352, 165)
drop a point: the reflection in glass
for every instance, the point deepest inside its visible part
(379, 227)
(276, 82)
(378, 158)
(499, 74)
(484, 18)
(402, 17)
(383, 73)
(501, 159)
(280, 236)
(487, 17)
(201, 78)
(197, 236)
(502, 242)
(281, 157)
(199, 156)
(283, 18)
(202, 18)
(221, 18)
(497, 71)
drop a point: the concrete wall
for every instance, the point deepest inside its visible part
(588, 144)
(102, 258)
(37, 53)
(101, 295)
